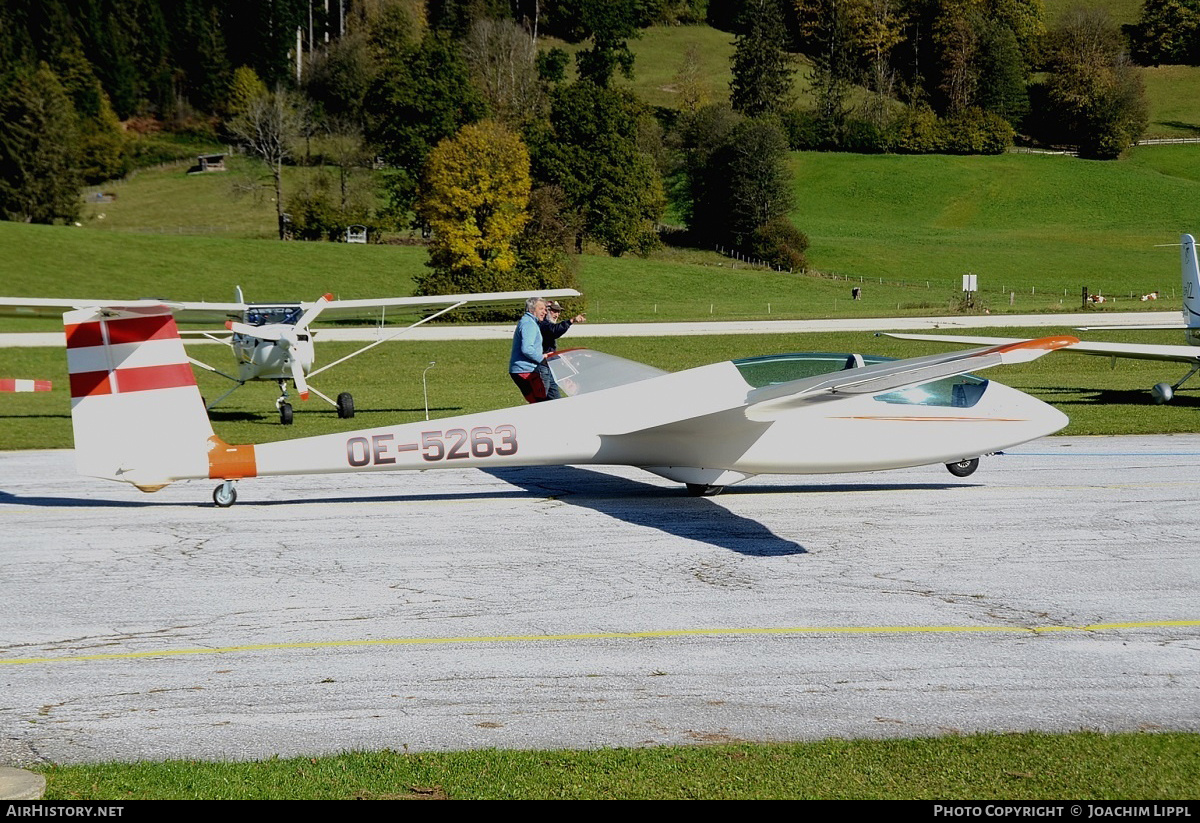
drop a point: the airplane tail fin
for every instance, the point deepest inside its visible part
(136, 410)
(1191, 288)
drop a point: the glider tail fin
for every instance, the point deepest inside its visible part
(1191, 288)
(136, 411)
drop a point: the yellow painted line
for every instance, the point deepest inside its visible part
(665, 633)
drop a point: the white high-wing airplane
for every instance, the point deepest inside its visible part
(1190, 354)
(138, 416)
(272, 341)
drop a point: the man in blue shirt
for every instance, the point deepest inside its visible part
(527, 352)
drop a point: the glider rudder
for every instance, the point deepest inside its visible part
(1191, 288)
(136, 411)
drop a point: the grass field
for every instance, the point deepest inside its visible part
(1173, 92)
(1018, 221)
(1084, 766)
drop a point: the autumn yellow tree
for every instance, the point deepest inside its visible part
(473, 198)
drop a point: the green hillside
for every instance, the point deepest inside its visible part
(1019, 221)
(1036, 227)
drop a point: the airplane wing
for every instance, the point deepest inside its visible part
(767, 401)
(382, 307)
(1137, 351)
(185, 312)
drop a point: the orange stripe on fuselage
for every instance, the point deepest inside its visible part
(226, 462)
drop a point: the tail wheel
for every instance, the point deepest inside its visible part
(345, 405)
(285, 413)
(225, 495)
(703, 490)
(963, 468)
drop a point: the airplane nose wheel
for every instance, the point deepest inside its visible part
(285, 413)
(963, 468)
(345, 405)
(225, 495)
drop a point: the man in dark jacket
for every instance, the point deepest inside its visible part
(553, 328)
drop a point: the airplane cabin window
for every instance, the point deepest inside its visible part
(782, 368)
(960, 392)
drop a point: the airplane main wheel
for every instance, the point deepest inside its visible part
(1162, 393)
(963, 468)
(285, 413)
(225, 497)
(345, 405)
(703, 490)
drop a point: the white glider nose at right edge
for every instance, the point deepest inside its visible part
(138, 416)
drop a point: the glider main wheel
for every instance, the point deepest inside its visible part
(703, 490)
(285, 413)
(345, 405)
(225, 497)
(963, 468)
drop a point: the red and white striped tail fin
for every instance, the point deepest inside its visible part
(136, 411)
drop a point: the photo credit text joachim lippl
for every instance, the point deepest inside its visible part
(1077, 811)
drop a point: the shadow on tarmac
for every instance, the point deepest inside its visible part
(643, 504)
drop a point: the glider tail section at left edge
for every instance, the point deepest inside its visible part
(136, 411)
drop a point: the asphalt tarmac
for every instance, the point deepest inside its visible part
(1055, 589)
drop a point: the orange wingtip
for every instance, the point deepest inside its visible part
(1057, 341)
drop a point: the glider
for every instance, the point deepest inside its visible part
(138, 417)
(273, 341)
(1189, 354)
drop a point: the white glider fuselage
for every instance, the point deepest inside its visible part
(704, 426)
(138, 416)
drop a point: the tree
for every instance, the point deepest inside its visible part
(268, 129)
(1093, 89)
(101, 139)
(591, 150)
(831, 27)
(419, 98)
(502, 59)
(39, 148)
(738, 173)
(689, 85)
(760, 182)
(611, 24)
(473, 198)
(244, 89)
(1168, 31)
(762, 76)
